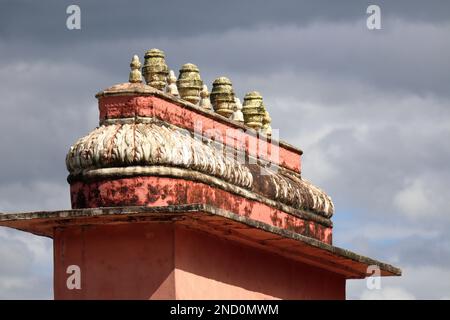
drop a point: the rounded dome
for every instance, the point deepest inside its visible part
(152, 143)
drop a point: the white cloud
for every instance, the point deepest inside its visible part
(378, 230)
(388, 293)
(423, 197)
(26, 265)
(415, 199)
(423, 282)
(34, 196)
(25, 287)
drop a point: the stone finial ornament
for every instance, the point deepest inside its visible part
(237, 114)
(189, 83)
(222, 97)
(253, 110)
(266, 124)
(135, 73)
(172, 84)
(155, 69)
(205, 103)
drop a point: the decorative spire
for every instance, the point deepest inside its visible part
(189, 83)
(172, 84)
(253, 110)
(266, 124)
(135, 73)
(222, 97)
(155, 69)
(205, 103)
(237, 114)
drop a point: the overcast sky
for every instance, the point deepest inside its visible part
(369, 108)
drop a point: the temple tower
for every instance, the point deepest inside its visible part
(184, 194)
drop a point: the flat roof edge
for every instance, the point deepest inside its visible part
(287, 242)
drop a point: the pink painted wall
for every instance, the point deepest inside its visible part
(128, 261)
(164, 261)
(209, 266)
(163, 191)
(143, 106)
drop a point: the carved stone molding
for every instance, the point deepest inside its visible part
(153, 143)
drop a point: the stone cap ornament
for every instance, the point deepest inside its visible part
(237, 114)
(266, 124)
(205, 103)
(135, 73)
(253, 110)
(172, 84)
(222, 97)
(189, 83)
(155, 69)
